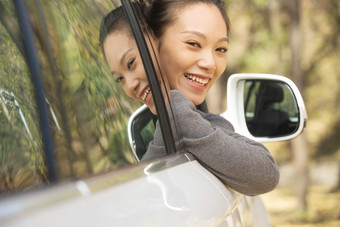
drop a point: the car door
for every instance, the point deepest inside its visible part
(77, 169)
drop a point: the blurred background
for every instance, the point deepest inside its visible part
(298, 39)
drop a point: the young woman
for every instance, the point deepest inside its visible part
(193, 41)
(122, 55)
(192, 53)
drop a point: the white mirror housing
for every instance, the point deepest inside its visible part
(236, 113)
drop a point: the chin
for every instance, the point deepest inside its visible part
(196, 100)
(196, 103)
(153, 110)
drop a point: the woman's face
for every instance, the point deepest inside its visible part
(126, 65)
(193, 50)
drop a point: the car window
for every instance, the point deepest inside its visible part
(156, 79)
(91, 107)
(158, 86)
(88, 110)
(21, 148)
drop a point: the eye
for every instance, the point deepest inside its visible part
(194, 44)
(222, 50)
(130, 63)
(119, 79)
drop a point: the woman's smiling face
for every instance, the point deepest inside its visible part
(193, 50)
(126, 65)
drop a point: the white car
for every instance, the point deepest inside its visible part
(79, 163)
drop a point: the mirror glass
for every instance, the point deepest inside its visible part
(142, 130)
(270, 108)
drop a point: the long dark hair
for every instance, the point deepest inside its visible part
(161, 13)
(117, 20)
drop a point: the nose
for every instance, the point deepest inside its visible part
(207, 61)
(131, 83)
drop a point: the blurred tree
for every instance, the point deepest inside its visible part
(299, 144)
(88, 110)
(299, 39)
(21, 149)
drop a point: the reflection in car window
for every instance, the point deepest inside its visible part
(21, 150)
(90, 106)
(130, 54)
(88, 110)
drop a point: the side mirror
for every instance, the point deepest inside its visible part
(141, 127)
(265, 107)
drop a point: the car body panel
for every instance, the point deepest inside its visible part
(185, 194)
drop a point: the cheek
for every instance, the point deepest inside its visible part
(153, 109)
(221, 65)
(171, 55)
(140, 73)
(127, 92)
(176, 63)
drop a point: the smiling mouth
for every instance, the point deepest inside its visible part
(147, 91)
(197, 80)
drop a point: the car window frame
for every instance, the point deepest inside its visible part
(33, 64)
(162, 113)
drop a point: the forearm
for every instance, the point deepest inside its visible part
(243, 164)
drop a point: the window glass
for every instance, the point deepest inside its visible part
(89, 110)
(127, 59)
(21, 150)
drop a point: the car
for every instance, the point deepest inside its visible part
(71, 142)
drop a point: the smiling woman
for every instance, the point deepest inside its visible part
(192, 55)
(87, 116)
(193, 52)
(192, 38)
(124, 59)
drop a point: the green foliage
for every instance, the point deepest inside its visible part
(91, 111)
(21, 154)
(260, 42)
(88, 111)
(94, 105)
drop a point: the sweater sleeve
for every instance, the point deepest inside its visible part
(243, 164)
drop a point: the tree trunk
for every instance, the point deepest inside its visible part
(300, 162)
(299, 145)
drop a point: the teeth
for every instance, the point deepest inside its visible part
(199, 81)
(145, 94)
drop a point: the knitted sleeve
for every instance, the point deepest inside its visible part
(243, 164)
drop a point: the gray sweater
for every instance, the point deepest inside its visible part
(243, 164)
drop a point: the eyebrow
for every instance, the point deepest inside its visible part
(223, 39)
(124, 56)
